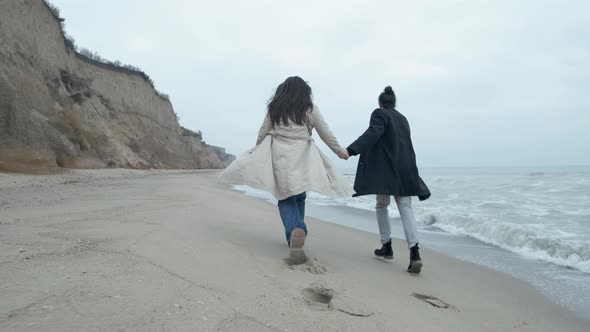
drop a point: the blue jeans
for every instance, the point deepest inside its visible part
(292, 211)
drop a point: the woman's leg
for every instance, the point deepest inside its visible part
(292, 212)
(301, 208)
(289, 211)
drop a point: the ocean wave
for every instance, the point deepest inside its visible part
(533, 234)
(529, 240)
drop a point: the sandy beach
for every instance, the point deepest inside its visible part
(121, 250)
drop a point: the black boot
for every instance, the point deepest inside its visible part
(415, 261)
(385, 252)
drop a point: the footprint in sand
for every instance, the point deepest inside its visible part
(319, 297)
(312, 266)
(434, 301)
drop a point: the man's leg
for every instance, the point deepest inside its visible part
(383, 220)
(382, 213)
(404, 205)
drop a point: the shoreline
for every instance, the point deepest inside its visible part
(565, 286)
(143, 249)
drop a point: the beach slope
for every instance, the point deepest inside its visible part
(156, 250)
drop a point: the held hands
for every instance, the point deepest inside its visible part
(343, 154)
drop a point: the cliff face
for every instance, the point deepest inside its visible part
(59, 108)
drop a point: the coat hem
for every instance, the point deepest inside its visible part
(422, 197)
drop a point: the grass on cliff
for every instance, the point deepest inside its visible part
(95, 58)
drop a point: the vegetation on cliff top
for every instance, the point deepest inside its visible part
(95, 58)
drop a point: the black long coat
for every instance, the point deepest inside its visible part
(387, 165)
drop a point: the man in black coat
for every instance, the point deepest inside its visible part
(387, 167)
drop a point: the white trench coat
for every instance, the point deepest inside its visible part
(286, 161)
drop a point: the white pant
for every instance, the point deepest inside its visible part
(404, 205)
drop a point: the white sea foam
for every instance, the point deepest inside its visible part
(529, 240)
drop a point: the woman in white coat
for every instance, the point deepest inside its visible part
(286, 161)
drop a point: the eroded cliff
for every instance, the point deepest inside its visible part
(59, 108)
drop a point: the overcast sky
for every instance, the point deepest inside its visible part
(483, 83)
